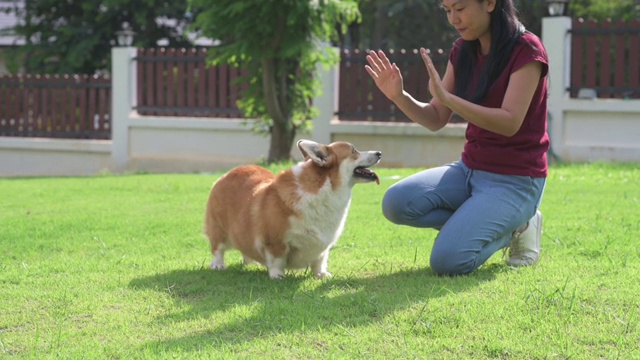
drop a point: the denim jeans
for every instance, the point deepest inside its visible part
(475, 211)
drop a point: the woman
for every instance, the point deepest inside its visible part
(488, 200)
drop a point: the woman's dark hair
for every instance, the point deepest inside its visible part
(506, 30)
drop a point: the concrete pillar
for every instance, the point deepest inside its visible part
(123, 100)
(557, 40)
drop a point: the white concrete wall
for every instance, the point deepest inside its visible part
(600, 130)
(53, 157)
(170, 144)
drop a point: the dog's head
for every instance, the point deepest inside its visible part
(342, 160)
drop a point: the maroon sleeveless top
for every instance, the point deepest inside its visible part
(524, 153)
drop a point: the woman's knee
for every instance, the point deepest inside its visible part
(394, 205)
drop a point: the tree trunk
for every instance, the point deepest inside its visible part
(281, 141)
(283, 131)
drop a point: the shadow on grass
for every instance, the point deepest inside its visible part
(244, 304)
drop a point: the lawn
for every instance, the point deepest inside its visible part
(115, 266)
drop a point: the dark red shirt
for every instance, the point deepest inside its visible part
(524, 153)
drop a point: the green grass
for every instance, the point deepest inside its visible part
(116, 267)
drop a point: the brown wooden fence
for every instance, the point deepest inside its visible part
(605, 56)
(177, 82)
(66, 106)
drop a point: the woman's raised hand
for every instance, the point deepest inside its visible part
(386, 75)
(435, 82)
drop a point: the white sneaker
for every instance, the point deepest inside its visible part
(525, 246)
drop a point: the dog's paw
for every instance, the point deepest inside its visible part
(276, 274)
(217, 266)
(322, 275)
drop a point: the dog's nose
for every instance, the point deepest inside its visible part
(379, 154)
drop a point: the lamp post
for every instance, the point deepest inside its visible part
(557, 7)
(125, 36)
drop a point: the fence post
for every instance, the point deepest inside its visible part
(123, 72)
(326, 100)
(556, 37)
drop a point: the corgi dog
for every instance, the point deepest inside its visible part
(288, 221)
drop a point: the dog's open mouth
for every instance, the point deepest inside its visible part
(366, 174)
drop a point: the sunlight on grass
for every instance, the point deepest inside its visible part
(117, 267)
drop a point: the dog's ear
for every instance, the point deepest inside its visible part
(314, 151)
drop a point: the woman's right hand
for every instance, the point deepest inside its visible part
(386, 75)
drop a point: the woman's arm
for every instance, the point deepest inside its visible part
(388, 78)
(505, 120)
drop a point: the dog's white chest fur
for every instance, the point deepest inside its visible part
(318, 224)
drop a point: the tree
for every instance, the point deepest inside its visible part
(76, 36)
(604, 9)
(278, 44)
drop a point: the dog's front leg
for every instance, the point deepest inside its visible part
(276, 266)
(319, 266)
(218, 258)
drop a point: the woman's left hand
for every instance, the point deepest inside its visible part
(435, 82)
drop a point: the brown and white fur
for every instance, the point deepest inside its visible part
(288, 221)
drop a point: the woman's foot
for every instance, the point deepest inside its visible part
(525, 243)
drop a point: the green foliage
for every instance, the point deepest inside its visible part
(76, 36)
(115, 267)
(605, 9)
(278, 44)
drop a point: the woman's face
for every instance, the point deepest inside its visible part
(471, 18)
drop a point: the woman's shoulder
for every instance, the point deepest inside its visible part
(529, 39)
(529, 48)
(530, 44)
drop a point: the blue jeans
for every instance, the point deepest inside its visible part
(475, 211)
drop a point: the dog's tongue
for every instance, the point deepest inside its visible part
(367, 174)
